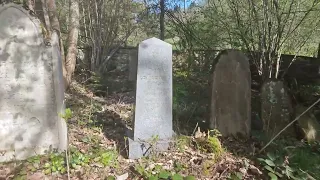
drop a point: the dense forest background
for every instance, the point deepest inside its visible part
(272, 27)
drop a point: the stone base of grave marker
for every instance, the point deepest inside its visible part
(138, 149)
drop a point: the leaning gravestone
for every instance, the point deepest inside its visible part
(32, 92)
(276, 108)
(153, 110)
(231, 94)
(307, 124)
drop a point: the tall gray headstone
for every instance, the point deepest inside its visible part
(231, 94)
(153, 110)
(32, 92)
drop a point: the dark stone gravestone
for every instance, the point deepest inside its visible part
(32, 88)
(133, 64)
(153, 108)
(231, 94)
(276, 108)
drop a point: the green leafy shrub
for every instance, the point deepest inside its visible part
(56, 163)
(278, 167)
(158, 173)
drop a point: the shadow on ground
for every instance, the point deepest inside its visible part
(107, 102)
(103, 105)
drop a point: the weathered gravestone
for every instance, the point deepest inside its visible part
(32, 92)
(153, 110)
(307, 124)
(276, 108)
(133, 63)
(231, 94)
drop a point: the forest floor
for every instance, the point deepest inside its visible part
(98, 119)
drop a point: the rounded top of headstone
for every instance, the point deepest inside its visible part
(14, 5)
(154, 42)
(227, 55)
(233, 51)
(16, 23)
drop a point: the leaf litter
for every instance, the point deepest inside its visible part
(99, 122)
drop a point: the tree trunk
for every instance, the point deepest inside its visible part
(162, 19)
(318, 55)
(72, 38)
(31, 5)
(55, 25)
(46, 18)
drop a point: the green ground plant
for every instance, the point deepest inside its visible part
(290, 161)
(158, 173)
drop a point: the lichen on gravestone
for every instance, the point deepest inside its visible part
(231, 94)
(272, 96)
(32, 94)
(276, 108)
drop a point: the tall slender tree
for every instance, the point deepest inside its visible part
(162, 12)
(55, 26)
(74, 24)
